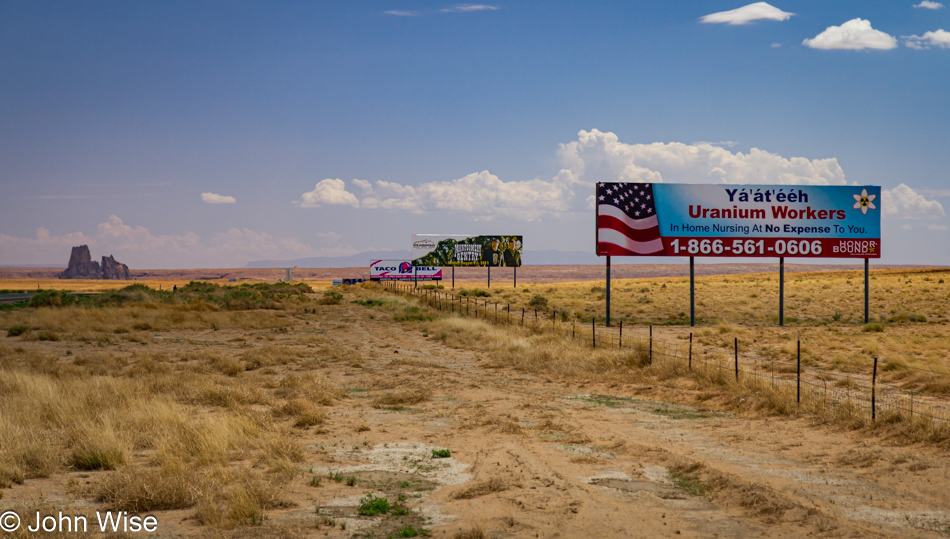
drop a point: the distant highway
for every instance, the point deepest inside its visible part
(16, 298)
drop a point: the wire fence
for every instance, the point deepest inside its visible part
(846, 396)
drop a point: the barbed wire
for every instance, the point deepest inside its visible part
(876, 396)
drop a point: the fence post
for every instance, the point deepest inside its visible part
(651, 345)
(593, 332)
(573, 327)
(798, 373)
(690, 350)
(621, 334)
(509, 314)
(737, 358)
(874, 392)
(522, 317)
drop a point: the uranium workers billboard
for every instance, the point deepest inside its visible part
(667, 219)
(462, 250)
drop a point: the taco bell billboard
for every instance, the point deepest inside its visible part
(399, 270)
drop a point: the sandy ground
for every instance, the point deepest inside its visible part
(533, 456)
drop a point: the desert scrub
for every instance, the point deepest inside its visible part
(331, 297)
(538, 302)
(17, 330)
(475, 292)
(401, 399)
(371, 505)
(686, 477)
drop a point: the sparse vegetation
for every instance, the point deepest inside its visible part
(371, 505)
(137, 396)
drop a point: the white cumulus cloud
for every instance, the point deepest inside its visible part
(927, 4)
(903, 202)
(481, 193)
(214, 198)
(746, 14)
(468, 8)
(594, 157)
(600, 156)
(328, 192)
(937, 38)
(856, 34)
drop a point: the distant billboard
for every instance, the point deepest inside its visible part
(402, 270)
(461, 250)
(666, 219)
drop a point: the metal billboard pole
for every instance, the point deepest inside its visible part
(692, 291)
(608, 290)
(781, 291)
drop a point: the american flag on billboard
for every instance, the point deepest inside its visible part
(626, 220)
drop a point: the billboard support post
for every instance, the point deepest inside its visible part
(489, 276)
(692, 291)
(608, 290)
(781, 291)
(867, 314)
(516, 276)
(415, 277)
(453, 277)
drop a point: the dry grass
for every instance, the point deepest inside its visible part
(909, 309)
(481, 488)
(471, 533)
(548, 347)
(401, 399)
(186, 423)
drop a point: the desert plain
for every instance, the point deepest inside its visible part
(252, 408)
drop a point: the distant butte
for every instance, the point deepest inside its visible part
(81, 266)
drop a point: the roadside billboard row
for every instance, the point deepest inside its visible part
(402, 270)
(666, 219)
(461, 250)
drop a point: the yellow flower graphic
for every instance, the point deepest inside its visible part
(864, 201)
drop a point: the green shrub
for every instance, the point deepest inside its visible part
(331, 297)
(17, 330)
(476, 293)
(538, 302)
(242, 300)
(371, 506)
(441, 453)
(53, 298)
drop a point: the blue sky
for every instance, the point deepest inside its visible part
(210, 134)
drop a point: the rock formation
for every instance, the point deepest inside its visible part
(81, 266)
(114, 270)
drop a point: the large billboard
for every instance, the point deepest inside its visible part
(461, 250)
(667, 219)
(402, 270)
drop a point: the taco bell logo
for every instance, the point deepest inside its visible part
(405, 267)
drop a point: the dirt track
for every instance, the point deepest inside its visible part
(594, 460)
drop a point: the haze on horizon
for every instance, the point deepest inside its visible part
(209, 134)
